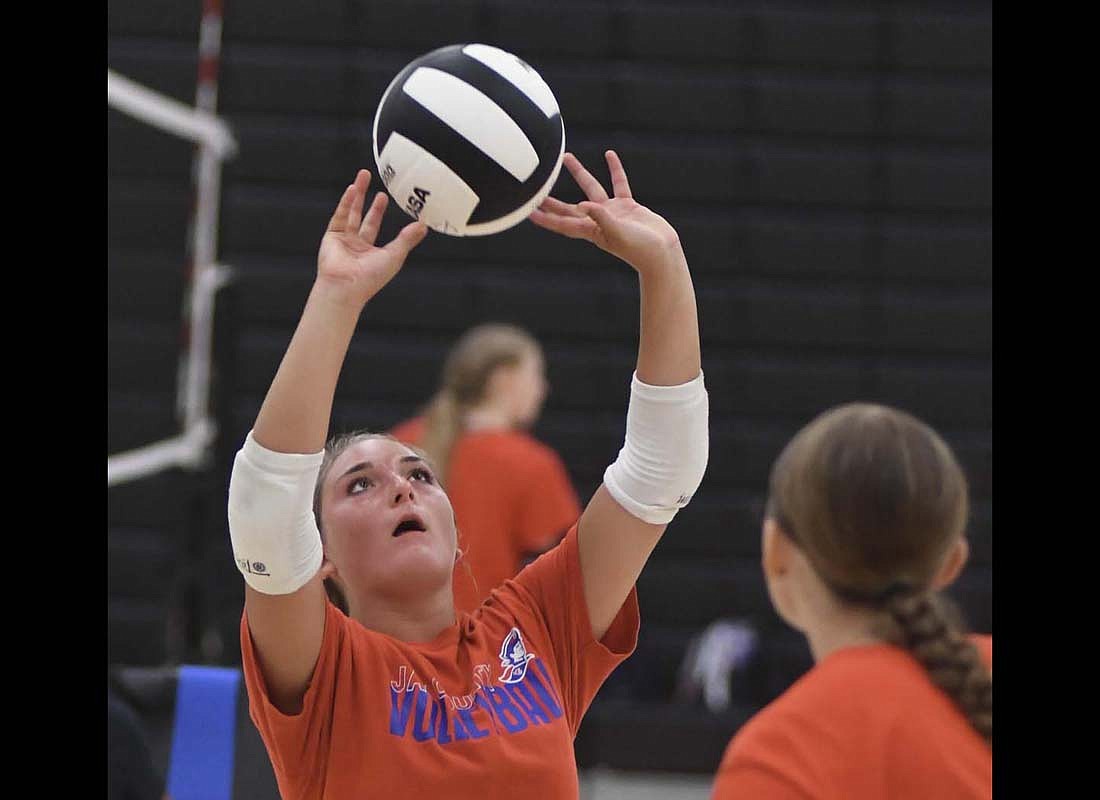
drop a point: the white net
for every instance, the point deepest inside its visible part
(214, 144)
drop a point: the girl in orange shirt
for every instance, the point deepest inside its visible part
(511, 493)
(865, 523)
(402, 697)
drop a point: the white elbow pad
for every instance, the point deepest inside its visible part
(665, 454)
(275, 539)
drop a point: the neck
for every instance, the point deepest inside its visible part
(487, 417)
(832, 627)
(419, 620)
(826, 621)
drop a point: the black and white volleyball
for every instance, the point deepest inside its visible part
(468, 139)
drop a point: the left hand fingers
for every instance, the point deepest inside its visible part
(406, 239)
(573, 227)
(619, 184)
(368, 231)
(554, 206)
(591, 187)
(355, 211)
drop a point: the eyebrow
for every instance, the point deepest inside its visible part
(367, 465)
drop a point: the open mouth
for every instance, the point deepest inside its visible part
(409, 524)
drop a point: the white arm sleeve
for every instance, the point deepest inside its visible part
(665, 454)
(275, 539)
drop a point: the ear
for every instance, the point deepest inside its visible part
(953, 564)
(777, 550)
(328, 569)
(779, 559)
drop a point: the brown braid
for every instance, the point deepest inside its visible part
(926, 624)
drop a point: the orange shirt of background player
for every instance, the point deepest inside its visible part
(866, 723)
(511, 496)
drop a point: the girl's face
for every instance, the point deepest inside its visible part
(389, 526)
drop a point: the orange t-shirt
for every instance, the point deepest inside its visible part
(487, 709)
(864, 723)
(511, 496)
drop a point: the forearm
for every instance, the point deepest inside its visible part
(668, 345)
(295, 414)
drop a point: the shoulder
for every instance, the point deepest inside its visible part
(516, 452)
(800, 733)
(547, 587)
(783, 718)
(784, 750)
(866, 705)
(344, 641)
(838, 696)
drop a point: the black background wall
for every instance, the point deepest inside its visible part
(828, 167)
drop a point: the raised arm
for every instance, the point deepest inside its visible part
(666, 449)
(270, 508)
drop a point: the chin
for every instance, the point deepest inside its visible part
(419, 571)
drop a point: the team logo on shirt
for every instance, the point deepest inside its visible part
(514, 658)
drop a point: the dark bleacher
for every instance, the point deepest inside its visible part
(829, 169)
(150, 692)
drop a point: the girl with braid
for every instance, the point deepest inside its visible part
(865, 523)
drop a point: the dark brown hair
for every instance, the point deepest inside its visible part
(876, 499)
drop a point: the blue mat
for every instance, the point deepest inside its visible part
(201, 765)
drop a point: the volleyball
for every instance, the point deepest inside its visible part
(468, 139)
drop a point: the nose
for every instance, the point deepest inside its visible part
(402, 489)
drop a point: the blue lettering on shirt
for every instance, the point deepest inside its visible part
(523, 698)
(547, 695)
(439, 710)
(399, 717)
(421, 732)
(511, 708)
(466, 715)
(479, 698)
(507, 712)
